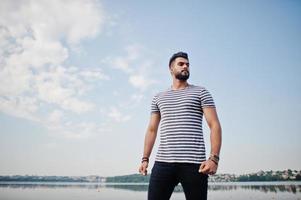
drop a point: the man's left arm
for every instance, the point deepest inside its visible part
(210, 165)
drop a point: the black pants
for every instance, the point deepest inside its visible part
(165, 176)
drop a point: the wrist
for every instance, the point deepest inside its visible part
(145, 159)
(214, 158)
(214, 161)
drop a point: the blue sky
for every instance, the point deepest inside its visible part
(77, 79)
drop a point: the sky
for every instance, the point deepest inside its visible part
(77, 79)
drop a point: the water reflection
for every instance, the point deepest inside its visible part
(265, 187)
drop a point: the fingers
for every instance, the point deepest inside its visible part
(143, 170)
(208, 168)
(212, 172)
(202, 165)
(204, 168)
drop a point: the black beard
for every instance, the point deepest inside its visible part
(182, 76)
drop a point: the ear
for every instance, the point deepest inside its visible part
(171, 69)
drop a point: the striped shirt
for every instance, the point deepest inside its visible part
(181, 133)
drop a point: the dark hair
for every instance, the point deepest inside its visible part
(176, 55)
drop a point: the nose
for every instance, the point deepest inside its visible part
(185, 66)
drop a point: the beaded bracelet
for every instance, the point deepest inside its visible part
(145, 159)
(214, 158)
(216, 162)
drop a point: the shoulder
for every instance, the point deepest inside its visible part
(198, 88)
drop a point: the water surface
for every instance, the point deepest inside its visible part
(138, 191)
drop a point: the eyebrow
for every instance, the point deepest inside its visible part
(182, 62)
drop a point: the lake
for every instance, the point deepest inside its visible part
(138, 191)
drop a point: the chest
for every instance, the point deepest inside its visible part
(178, 103)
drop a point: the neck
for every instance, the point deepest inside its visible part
(178, 85)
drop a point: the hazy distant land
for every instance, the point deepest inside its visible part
(285, 175)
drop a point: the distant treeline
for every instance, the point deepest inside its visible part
(136, 178)
(28, 178)
(286, 175)
(255, 177)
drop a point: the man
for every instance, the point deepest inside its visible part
(181, 156)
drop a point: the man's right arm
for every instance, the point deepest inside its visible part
(149, 141)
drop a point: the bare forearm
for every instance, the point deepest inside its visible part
(149, 142)
(151, 134)
(216, 139)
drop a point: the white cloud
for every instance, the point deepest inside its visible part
(55, 117)
(140, 81)
(35, 42)
(125, 63)
(137, 98)
(117, 115)
(70, 20)
(93, 74)
(122, 63)
(132, 102)
(37, 53)
(133, 51)
(59, 125)
(72, 130)
(135, 66)
(62, 86)
(23, 107)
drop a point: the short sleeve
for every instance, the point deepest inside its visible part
(154, 105)
(206, 99)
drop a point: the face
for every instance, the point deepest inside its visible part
(180, 68)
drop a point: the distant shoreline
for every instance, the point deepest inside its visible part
(261, 176)
(135, 183)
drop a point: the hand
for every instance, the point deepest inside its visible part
(208, 167)
(143, 168)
